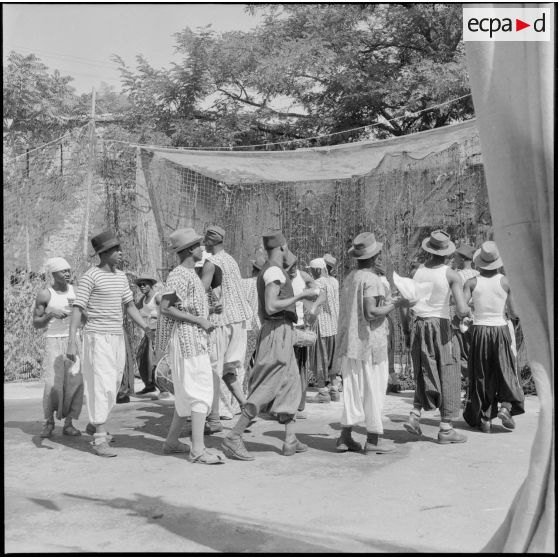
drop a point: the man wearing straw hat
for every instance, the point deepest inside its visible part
(492, 364)
(275, 376)
(63, 393)
(183, 336)
(103, 292)
(361, 346)
(229, 338)
(435, 364)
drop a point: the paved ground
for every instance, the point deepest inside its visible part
(59, 497)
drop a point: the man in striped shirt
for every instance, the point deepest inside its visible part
(102, 293)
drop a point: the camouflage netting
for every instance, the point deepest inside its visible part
(410, 186)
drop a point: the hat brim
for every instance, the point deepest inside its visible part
(145, 279)
(197, 239)
(370, 252)
(108, 246)
(445, 252)
(480, 264)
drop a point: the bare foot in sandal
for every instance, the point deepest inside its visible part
(206, 458)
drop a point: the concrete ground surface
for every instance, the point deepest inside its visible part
(426, 498)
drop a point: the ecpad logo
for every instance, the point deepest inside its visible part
(507, 24)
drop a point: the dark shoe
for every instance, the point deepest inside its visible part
(47, 430)
(451, 437)
(383, 446)
(212, 427)
(235, 449)
(91, 429)
(413, 425)
(295, 447)
(71, 430)
(123, 399)
(346, 443)
(103, 450)
(506, 418)
(146, 390)
(180, 448)
(485, 426)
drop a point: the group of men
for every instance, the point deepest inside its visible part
(208, 314)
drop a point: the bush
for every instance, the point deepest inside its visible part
(23, 344)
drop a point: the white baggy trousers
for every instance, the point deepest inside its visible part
(364, 393)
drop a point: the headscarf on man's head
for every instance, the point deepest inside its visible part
(53, 265)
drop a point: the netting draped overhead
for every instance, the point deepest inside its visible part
(322, 197)
(323, 163)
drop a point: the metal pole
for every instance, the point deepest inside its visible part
(90, 172)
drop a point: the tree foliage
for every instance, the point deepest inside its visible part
(320, 68)
(36, 102)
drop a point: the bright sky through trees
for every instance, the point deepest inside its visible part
(79, 40)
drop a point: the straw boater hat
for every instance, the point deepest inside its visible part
(145, 279)
(487, 256)
(184, 238)
(259, 262)
(330, 260)
(466, 251)
(365, 246)
(104, 241)
(438, 243)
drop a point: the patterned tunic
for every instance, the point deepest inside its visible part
(329, 315)
(235, 306)
(192, 299)
(251, 294)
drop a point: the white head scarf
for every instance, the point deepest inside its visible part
(317, 263)
(53, 265)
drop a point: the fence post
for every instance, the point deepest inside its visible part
(90, 173)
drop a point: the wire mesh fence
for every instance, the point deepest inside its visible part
(143, 198)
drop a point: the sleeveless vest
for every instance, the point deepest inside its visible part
(286, 291)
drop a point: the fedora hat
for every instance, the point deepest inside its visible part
(330, 260)
(259, 262)
(487, 256)
(104, 241)
(184, 238)
(365, 246)
(145, 279)
(273, 239)
(466, 251)
(438, 243)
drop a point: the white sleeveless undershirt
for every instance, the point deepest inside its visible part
(437, 306)
(59, 303)
(150, 310)
(489, 301)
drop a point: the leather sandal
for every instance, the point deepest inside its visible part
(236, 449)
(295, 447)
(47, 430)
(206, 458)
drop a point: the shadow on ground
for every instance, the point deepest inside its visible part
(228, 533)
